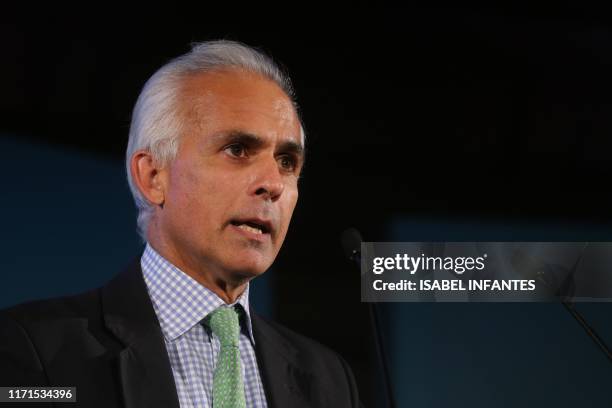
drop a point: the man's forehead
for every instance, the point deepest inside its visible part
(238, 100)
(238, 87)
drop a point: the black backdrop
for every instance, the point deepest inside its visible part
(484, 112)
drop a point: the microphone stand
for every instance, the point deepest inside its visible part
(352, 243)
(589, 331)
(373, 308)
(570, 307)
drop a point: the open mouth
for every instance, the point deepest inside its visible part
(255, 227)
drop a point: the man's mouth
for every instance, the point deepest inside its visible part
(258, 227)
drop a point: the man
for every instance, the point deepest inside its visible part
(214, 155)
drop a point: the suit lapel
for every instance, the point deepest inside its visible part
(286, 385)
(144, 368)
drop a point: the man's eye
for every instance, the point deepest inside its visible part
(236, 150)
(287, 163)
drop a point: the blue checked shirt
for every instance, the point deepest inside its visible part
(181, 304)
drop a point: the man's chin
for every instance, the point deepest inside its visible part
(248, 269)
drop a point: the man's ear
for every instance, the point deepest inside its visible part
(148, 177)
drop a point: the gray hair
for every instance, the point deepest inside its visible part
(156, 124)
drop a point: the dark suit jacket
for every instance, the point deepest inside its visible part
(108, 343)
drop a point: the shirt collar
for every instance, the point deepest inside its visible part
(180, 302)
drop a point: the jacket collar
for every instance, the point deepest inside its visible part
(144, 368)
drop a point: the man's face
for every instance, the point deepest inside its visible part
(233, 186)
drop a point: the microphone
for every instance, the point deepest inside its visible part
(351, 242)
(555, 280)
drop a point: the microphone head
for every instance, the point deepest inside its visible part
(351, 242)
(554, 279)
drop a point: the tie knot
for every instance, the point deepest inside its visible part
(225, 325)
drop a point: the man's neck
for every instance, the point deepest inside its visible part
(228, 290)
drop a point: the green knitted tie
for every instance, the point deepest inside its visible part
(228, 388)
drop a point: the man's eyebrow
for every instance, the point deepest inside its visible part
(239, 136)
(292, 147)
(254, 141)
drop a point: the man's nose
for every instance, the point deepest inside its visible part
(269, 182)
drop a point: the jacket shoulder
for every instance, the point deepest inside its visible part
(21, 362)
(83, 305)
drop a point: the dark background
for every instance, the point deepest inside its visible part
(487, 115)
